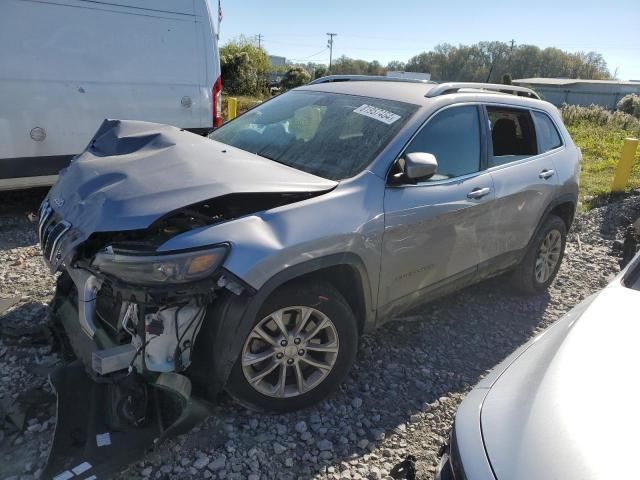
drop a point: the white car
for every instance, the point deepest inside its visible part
(66, 65)
(562, 406)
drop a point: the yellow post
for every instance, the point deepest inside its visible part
(232, 108)
(623, 171)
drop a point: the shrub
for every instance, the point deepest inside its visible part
(321, 71)
(295, 77)
(244, 67)
(239, 76)
(630, 104)
(594, 114)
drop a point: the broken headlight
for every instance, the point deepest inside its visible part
(172, 267)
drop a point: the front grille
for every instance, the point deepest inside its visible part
(51, 231)
(44, 214)
(55, 233)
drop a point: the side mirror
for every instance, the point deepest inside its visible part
(420, 165)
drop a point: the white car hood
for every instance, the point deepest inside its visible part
(568, 407)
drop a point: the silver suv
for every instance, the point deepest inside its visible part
(252, 260)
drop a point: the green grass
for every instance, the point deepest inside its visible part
(244, 103)
(601, 146)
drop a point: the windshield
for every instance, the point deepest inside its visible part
(330, 135)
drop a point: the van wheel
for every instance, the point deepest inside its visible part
(301, 347)
(542, 261)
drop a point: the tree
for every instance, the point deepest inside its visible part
(320, 71)
(525, 61)
(349, 66)
(374, 68)
(257, 55)
(395, 66)
(239, 75)
(630, 104)
(506, 79)
(489, 61)
(295, 77)
(244, 66)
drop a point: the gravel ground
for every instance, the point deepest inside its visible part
(399, 399)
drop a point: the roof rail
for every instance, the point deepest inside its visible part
(362, 78)
(454, 87)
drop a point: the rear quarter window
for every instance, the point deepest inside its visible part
(548, 135)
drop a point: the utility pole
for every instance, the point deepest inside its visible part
(259, 36)
(513, 44)
(330, 47)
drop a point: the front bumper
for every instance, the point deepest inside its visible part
(464, 458)
(133, 412)
(450, 467)
(65, 318)
(113, 327)
(445, 470)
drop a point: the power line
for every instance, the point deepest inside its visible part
(330, 47)
(312, 55)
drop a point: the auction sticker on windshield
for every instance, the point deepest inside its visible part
(379, 114)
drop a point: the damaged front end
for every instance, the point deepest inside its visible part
(134, 294)
(131, 317)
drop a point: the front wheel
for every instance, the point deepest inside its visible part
(300, 348)
(542, 261)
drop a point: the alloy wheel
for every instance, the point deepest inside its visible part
(548, 256)
(290, 352)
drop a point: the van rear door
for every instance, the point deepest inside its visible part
(81, 62)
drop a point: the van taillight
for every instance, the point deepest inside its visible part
(216, 98)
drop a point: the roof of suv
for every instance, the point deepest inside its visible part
(419, 93)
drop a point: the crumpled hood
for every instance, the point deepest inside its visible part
(567, 408)
(132, 173)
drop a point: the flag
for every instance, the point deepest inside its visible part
(219, 19)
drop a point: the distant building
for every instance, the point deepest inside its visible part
(276, 76)
(276, 61)
(410, 75)
(605, 93)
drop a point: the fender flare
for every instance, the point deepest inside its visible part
(566, 198)
(230, 318)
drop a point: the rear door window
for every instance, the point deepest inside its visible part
(453, 136)
(513, 136)
(548, 136)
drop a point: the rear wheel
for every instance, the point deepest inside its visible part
(300, 348)
(542, 261)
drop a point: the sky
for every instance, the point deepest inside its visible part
(399, 29)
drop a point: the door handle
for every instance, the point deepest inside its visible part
(546, 174)
(477, 193)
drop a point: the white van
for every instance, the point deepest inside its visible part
(66, 65)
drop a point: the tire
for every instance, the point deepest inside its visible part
(524, 277)
(293, 301)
